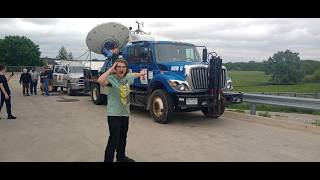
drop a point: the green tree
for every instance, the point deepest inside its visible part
(70, 56)
(284, 68)
(19, 51)
(63, 54)
(316, 75)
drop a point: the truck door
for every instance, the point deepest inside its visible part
(65, 73)
(56, 77)
(59, 75)
(140, 59)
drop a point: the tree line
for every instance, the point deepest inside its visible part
(308, 66)
(285, 67)
(21, 51)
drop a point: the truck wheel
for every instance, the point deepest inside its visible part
(55, 88)
(96, 97)
(222, 106)
(70, 92)
(161, 107)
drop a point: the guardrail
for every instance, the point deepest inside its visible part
(297, 102)
(291, 94)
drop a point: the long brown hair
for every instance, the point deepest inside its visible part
(124, 62)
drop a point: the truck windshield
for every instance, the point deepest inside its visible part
(76, 69)
(177, 52)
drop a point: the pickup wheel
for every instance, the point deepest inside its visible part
(222, 106)
(70, 92)
(55, 88)
(161, 107)
(96, 97)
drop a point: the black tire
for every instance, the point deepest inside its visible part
(222, 105)
(70, 92)
(96, 97)
(161, 115)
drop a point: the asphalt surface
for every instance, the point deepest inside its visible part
(50, 129)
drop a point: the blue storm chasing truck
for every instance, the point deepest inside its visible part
(177, 79)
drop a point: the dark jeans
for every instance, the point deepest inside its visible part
(25, 87)
(46, 87)
(8, 103)
(33, 87)
(118, 128)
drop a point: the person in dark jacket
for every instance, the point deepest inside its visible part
(44, 79)
(5, 96)
(25, 78)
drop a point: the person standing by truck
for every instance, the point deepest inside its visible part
(25, 79)
(118, 79)
(5, 92)
(34, 81)
(44, 81)
(50, 78)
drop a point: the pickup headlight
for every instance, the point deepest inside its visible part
(179, 85)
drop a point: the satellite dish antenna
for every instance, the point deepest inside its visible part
(107, 35)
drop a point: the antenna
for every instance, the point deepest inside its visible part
(139, 30)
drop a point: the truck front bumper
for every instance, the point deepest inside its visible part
(198, 101)
(77, 86)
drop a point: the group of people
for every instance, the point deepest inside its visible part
(29, 81)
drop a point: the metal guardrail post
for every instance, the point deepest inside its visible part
(253, 109)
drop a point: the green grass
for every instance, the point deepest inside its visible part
(316, 122)
(257, 81)
(238, 110)
(264, 114)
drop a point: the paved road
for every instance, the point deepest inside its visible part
(49, 130)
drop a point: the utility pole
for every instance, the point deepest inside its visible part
(90, 58)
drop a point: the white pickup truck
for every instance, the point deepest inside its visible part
(69, 76)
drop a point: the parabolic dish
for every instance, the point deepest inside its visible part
(107, 32)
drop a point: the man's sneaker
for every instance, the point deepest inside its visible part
(126, 159)
(11, 117)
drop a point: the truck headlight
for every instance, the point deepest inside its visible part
(228, 86)
(179, 85)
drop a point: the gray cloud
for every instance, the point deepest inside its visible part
(41, 21)
(233, 39)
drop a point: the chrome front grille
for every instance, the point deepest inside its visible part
(81, 81)
(199, 78)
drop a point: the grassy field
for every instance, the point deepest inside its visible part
(257, 81)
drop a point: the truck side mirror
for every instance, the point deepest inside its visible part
(205, 55)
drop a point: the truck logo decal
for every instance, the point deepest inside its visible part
(176, 68)
(144, 79)
(60, 78)
(150, 74)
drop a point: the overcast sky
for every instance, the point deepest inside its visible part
(233, 39)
